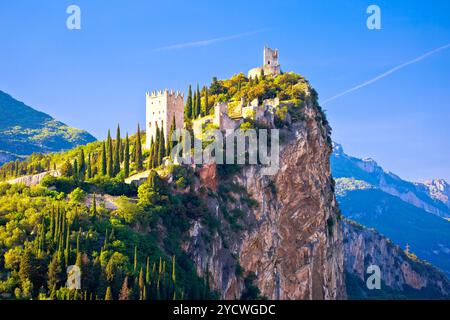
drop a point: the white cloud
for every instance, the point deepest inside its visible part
(200, 43)
(387, 73)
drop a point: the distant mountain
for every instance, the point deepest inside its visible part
(406, 212)
(431, 196)
(439, 190)
(24, 130)
(403, 275)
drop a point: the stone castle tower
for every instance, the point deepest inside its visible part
(270, 66)
(161, 107)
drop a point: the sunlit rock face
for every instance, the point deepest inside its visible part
(291, 239)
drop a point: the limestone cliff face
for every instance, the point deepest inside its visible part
(288, 232)
(399, 272)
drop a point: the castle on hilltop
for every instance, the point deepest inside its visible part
(163, 107)
(270, 66)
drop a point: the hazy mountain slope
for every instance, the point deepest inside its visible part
(427, 234)
(24, 130)
(406, 212)
(439, 190)
(417, 194)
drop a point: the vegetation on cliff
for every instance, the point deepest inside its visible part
(132, 250)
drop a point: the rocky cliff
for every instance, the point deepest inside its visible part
(402, 275)
(278, 234)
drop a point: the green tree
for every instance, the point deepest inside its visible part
(82, 165)
(67, 169)
(170, 143)
(108, 294)
(116, 168)
(194, 106)
(89, 166)
(28, 267)
(127, 157)
(152, 157)
(138, 149)
(110, 161)
(135, 259)
(198, 112)
(75, 169)
(188, 107)
(103, 164)
(205, 109)
(55, 273)
(161, 146)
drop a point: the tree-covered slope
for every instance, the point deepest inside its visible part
(24, 130)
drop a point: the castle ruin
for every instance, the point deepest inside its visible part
(270, 66)
(162, 106)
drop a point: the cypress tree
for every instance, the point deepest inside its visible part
(127, 157)
(161, 147)
(82, 165)
(135, 259)
(156, 150)
(89, 168)
(206, 106)
(147, 271)
(122, 151)
(109, 146)
(194, 106)
(170, 143)
(108, 294)
(174, 276)
(75, 169)
(116, 166)
(198, 113)
(188, 107)
(104, 159)
(138, 149)
(141, 279)
(151, 160)
(52, 222)
(94, 205)
(54, 274)
(67, 250)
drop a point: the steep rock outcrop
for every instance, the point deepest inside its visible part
(403, 275)
(289, 233)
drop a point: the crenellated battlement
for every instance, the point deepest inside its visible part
(164, 93)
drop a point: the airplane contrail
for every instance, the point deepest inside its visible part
(387, 73)
(206, 42)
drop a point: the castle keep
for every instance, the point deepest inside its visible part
(270, 66)
(161, 107)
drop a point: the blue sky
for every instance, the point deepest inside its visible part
(96, 77)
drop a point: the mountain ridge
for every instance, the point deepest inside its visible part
(25, 130)
(406, 212)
